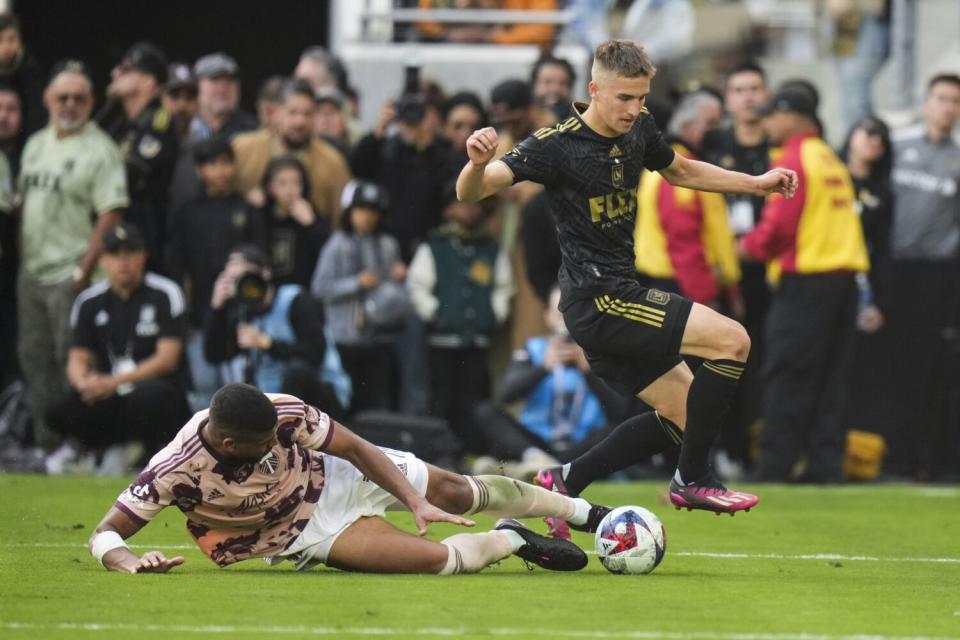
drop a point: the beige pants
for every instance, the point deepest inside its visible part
(43, 317)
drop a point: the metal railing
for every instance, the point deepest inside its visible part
(472, 16)
(371, 19)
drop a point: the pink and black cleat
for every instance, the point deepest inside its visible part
(552, 480)
(709, 494)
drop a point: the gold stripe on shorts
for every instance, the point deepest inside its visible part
(620, 309)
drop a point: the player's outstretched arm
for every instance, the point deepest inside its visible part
(703, 176)
(108, 546)
(376, 466)
(480, 177)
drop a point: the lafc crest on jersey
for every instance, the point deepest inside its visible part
(616, 175)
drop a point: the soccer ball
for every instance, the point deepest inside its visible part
(631, 540)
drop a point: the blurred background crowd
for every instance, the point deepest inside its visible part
(172, 219)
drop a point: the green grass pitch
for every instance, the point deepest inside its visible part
(807, 564)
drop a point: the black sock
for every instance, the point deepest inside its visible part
(711, 394)
(634, 440)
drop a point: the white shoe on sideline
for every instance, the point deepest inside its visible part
(119, 458)
(56, 461)
(69, 459)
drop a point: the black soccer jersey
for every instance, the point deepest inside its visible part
(591, 182)
(115, 329)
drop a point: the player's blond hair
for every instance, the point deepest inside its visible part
(623, 58)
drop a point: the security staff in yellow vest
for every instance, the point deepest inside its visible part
(814, 248)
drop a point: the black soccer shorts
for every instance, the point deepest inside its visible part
(631, 335)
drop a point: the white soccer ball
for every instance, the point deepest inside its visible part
(631, 540)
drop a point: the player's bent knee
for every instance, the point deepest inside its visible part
(674, 412)
(451, 492)
(735, 342)
(743, 343)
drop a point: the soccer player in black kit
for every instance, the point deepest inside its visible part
(633, 336)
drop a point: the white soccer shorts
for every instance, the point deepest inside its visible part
(348, 496)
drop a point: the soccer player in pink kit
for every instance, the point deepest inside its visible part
(261, 476)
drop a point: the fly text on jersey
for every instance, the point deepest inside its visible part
(613, 208)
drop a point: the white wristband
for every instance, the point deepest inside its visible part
(104, 542)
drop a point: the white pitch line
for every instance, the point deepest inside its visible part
(722, 555)
(65, 545)
(447, 631)
(809, 556)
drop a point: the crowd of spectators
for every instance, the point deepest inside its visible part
(169, 242)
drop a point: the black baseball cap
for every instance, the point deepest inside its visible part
(215, 65)
(71, 65)
(362, 193)
(148, 58)
(179, 76)
(122, 236)
(791, 99)
(331, 95)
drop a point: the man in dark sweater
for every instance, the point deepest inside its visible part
(202, 233)
(404, 155)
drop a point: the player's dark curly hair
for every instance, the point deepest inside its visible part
(624, 58)
(242, 410)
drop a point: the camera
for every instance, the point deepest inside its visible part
(251, 290)
(411, 108)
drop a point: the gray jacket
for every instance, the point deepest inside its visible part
(335, 281)
(926, 211)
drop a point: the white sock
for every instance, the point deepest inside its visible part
(676, 476)
(565, 471)
(504, 497)
(515, 538)
(471, 552)
(581, 511)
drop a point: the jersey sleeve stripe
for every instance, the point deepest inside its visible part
(172, 463)
(129, 513)
(171, 289)
(326, 441)
(86, 294)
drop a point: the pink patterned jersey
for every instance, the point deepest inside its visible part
(236, 512)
